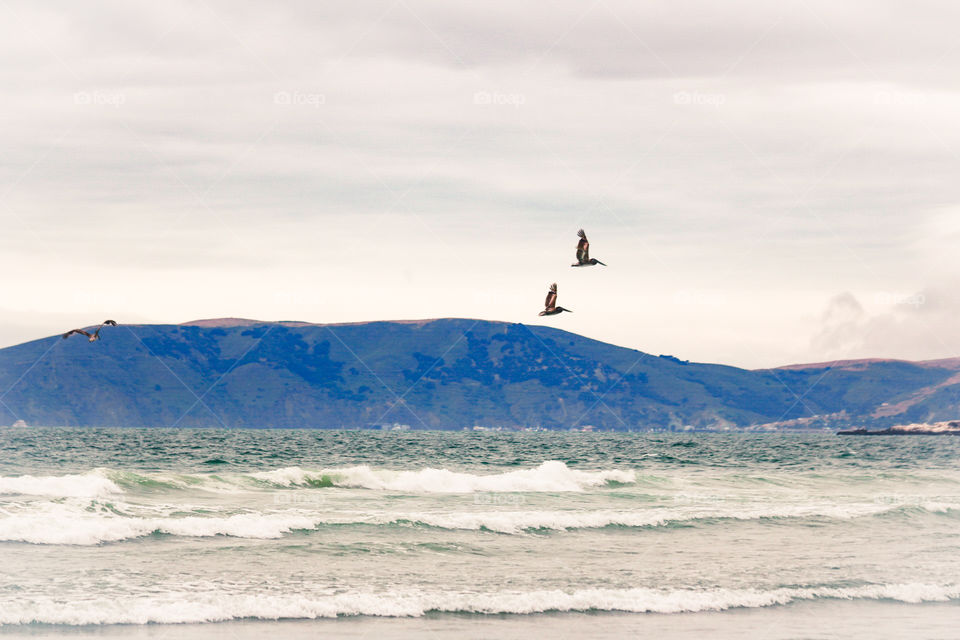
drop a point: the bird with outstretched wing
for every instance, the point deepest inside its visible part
(583, 252)
(92, 337)
(550, 305)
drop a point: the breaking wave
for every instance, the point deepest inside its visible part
(214, 606)
(62, 524)
(66, 524)
(551, 476)
(88, 485)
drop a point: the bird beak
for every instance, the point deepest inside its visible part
(603, 263)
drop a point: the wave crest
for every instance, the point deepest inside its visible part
(61, 524)
(215, 606)
(88, 485)
(64, 524)
(550, 476)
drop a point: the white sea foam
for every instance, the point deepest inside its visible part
(214, 606)
(70, 524)
(515, 522)
(88, 485)
(551, 476)
(64, 524)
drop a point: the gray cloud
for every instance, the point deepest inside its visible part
(911, 326)
(303, 159)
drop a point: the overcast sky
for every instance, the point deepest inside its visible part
(769, 182)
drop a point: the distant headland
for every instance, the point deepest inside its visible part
(447, 373)
(936, 429)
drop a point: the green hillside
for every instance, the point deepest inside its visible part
(437, 374)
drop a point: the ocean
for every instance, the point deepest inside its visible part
(166, 533)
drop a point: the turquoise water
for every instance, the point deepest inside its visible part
(101, 527)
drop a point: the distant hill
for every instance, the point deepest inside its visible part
(439, 374)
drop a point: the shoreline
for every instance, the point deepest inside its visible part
(825, 619)
(896, 432)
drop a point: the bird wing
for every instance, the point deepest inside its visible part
(105, 323)
(551, 302)
(73, 331)
(583, 247)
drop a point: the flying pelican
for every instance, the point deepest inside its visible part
(551, 304)
(583, 252)
(92, 336)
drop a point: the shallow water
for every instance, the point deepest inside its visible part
(107, 526)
